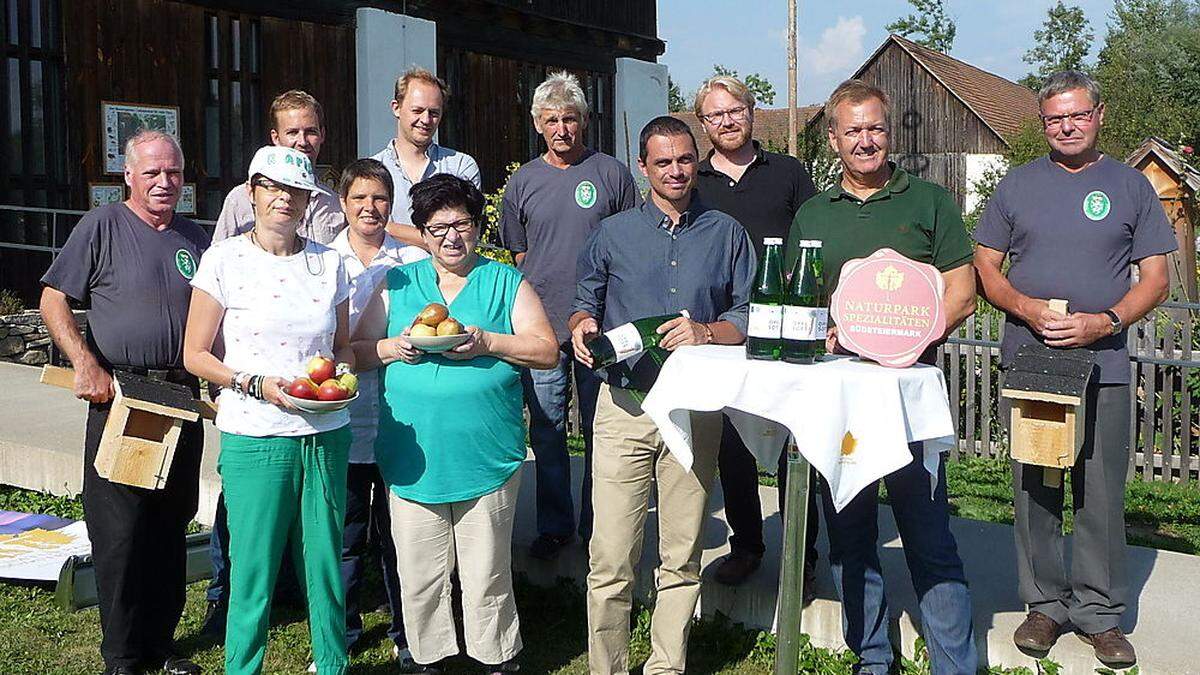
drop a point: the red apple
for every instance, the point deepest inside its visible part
(332, 390)
(302, 387)
(319, 369)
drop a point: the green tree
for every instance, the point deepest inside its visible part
(1062, 43)
(675, 100)
(929, 25)
(761, 87)
(1149, 73)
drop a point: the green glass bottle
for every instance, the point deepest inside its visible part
(628, 340)
(763, 333)
(805, 307)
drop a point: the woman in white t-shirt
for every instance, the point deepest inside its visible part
(276, 300)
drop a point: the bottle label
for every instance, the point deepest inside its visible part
(626, 341)
(766, 321)
(805, 323)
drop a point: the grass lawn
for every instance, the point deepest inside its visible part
(41, 639)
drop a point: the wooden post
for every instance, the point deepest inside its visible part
(791, 569)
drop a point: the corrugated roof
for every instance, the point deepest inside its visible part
(770, 126)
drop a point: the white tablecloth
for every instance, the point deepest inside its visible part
(882, 410)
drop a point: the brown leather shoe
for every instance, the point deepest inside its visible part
(1037, 633)
(1112, 649)
(736, 567)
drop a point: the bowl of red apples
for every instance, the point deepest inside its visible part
(322, 390)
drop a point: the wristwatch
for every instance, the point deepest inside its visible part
(1115, 320)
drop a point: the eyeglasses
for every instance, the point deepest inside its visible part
(442, 229)
(272, 188)
(738, 114)
(1078, 117)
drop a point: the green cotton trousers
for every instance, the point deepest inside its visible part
(279, 488)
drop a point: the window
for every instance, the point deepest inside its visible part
(233, 106)
(32, 150)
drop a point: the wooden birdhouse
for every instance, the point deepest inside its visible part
(1048, 391)
(139, 439)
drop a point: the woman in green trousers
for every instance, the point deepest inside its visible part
(275, 300)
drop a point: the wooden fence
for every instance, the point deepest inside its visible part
(1163, 402)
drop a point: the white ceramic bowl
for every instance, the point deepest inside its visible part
(437, 343)
(311, 406)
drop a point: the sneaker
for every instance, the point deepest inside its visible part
(737, 567)
(548, 546)
(406, 664)
(180, 666)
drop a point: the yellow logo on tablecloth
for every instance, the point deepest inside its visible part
(849, 442)
(889, 279)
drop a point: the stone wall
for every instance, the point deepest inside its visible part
(24, 338)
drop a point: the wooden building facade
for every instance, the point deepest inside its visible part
(218, 64)
(950, 120)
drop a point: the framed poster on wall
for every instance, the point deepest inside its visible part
(187, 200)
(101, 194)
(120, 121)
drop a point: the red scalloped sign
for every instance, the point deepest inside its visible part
(888, 308)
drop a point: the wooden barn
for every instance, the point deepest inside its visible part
(79, 74)
(950, 120)
(1177, 183)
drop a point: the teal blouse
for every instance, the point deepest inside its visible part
(451, 430)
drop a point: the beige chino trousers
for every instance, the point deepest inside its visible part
(628, 459)
(474, 536)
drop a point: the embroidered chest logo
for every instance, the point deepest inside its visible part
(185, 263)
(1096, 205)
(585, 194)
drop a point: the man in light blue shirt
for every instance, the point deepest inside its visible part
(412, 156)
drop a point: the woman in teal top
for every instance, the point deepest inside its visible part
(451, 432)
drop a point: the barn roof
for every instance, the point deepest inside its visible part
(770, 126)
(1003, 105)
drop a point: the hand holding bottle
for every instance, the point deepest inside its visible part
(682, 331)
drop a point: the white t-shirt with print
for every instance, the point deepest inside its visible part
(364, 282)
(279, 312)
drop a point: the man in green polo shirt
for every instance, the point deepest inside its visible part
(877, 204)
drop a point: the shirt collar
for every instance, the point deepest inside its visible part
(695, 209)
(390, 248)
(896, 184)
(432, 152)
(760, 157)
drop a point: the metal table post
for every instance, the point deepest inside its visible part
(791, 570)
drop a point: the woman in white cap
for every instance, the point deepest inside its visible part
(275, 300)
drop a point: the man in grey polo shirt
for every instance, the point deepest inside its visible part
(550, 207)
(412, 156)
(1071, 224)
(297, 122)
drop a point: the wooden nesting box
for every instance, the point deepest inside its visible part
(143, 427)
(1048, 391)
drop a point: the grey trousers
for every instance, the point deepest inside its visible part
(1092, 595)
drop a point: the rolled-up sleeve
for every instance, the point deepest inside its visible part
(742, 264)
(592, 275)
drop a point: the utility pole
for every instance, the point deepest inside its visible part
(792, 96)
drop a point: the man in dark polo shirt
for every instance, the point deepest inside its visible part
(130, 265)
(671, 254)
(877, 204)
(1071, 224)
(762, 190)
(551, 205)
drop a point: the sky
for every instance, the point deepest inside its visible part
(835, 38)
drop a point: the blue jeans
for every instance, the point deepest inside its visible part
(367, 534)
(933, 563)
(546, 396)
